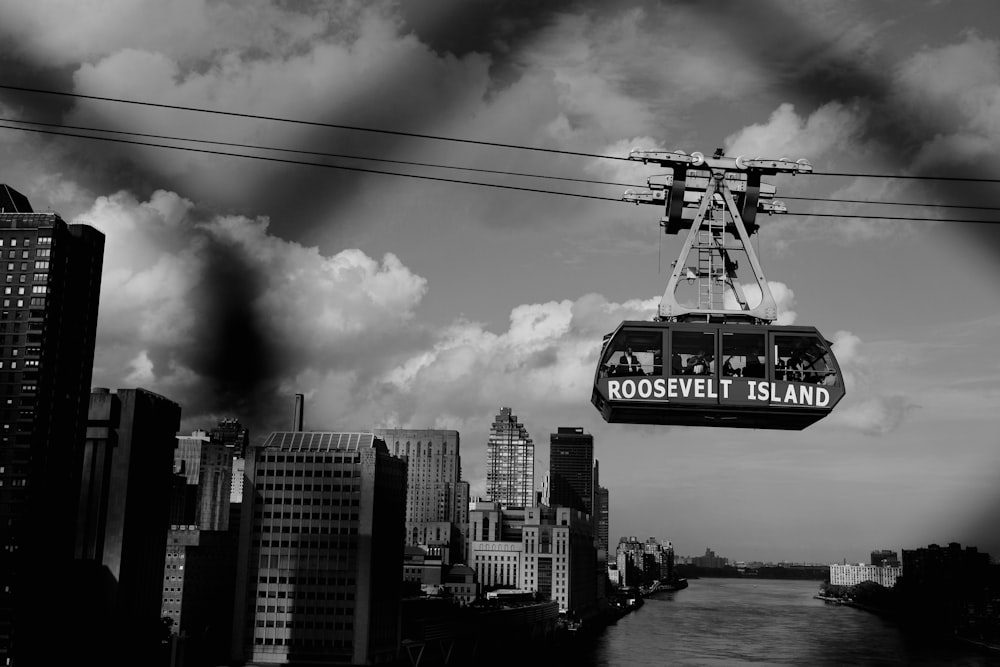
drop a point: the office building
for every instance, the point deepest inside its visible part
(236, 437)
(559, 559)
(124, 509)
(207, 467)
(602, 519)
(51, 280)
(495, 544)
(437, 501)
(510, 462)
(571, 469)
(320, 550)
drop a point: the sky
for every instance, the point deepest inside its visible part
(231, 284)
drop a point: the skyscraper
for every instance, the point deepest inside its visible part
(319, 574)
(510, 461)
(124, 511)
(51, 275)
(571, 469)
(436, 499)
(231, 433)
(207, 466)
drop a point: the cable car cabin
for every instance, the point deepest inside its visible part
(706, 374)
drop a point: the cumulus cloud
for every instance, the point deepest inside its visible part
(866, 408)
(784, 299)
(221, 312)
(834, 125)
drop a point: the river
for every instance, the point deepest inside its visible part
(724, 622)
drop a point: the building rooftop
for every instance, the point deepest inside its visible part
(319, 441)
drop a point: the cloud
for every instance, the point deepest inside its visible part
(833, 126)
(784, 299)
(866, 408)
(221, 312)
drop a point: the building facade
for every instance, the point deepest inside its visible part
(852, 575)
(571, 469)
(321, 544)
(510, 462)
(559, 558)
(207, 467)
(51, 275)
(124, 508)
(437, 500)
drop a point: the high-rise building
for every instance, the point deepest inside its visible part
(571, 469)
(207, 466)
(510, 462)
(559, 558)
(51, 281)
(124, 510)
(319, 575)
(231, 433)
(437, 501)
(602, 512)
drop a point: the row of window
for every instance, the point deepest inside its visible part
(309, 472)
(324, 488)
(304, 609)
(307, 544)
(317, 581)
(298, 500)
(321, 516)
(307, 595)
(304, 643)
(316, 458)
(26, 241)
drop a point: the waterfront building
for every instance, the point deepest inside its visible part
(885, 557)
(437, 500)
(51, 281)
(320, 548)
(641, 563)
(852, 575)
(124, 512)
(510, 462)
(571, 469)
(559, 559)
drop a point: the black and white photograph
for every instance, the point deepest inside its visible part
(495, 332)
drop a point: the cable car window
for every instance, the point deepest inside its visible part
(803, 358)
(743, 355)
(692, 353)
(633, 353)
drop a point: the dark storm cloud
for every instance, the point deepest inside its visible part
(810, 67)
(233, 354)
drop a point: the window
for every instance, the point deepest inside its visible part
(39, 289)
(742, 355)
(633, 353)
(42, 252)
(803, 358)
(13, 243)
(692, 353)
(38, 265)
(44, 240)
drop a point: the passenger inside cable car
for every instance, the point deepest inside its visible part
(633, 354)
(803, 359)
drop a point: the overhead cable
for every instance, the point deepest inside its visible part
(311, 123)
(499, 172)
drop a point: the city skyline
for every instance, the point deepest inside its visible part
(230, 285)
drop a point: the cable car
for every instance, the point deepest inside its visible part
(712, 358)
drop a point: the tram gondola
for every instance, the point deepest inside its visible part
(709, 361)
(703, 374)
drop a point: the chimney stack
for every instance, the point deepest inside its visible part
(297, 417)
